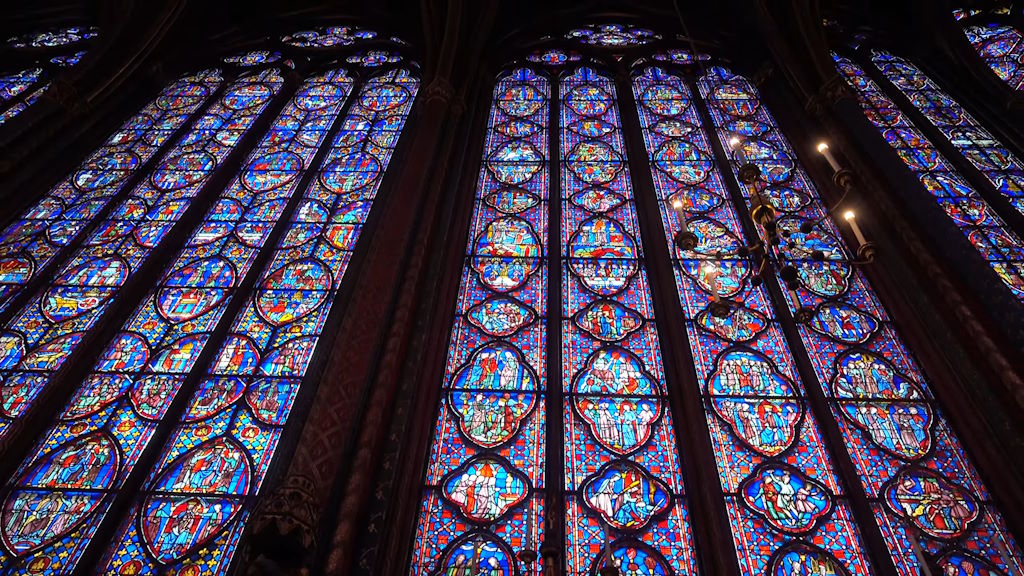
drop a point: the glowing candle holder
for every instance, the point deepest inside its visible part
(684, 239)
(824, 150)
(865, 249)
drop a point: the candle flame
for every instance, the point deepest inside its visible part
(849, 215)
(734, 142)
(822, 147)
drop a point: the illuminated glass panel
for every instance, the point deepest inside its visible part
(11, 85)
(41, 336)
(781, 488)
(86, 456)
(19, 90)
(483, 489)
(994, 240)
(253, 58)
(1002, 48)
(29, 244)
(917, 477)
(612, 35)
(328, 37)
(622, 466)
(54, 38)
(372, 58)
(1002, 168)
(190, 515)
(553, 57)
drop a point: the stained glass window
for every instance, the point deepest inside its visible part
(918, 479)
(833, 457)
(999, 44)
(144, 366)
(206, 367)
(53, 50)
(622, 466)
(553, 57)
(483, 496)
(40, 336)
(987, 232)
(29, 245)
(766, 439)
(612, 35)
(253, 58)
(329, 37)
(1001, 167)
(237, 411)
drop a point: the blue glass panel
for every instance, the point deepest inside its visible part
(1000, 166)
(136, 378)
(777, 474)
(622, 466)
(911, 465)
(483, 490)
(32, 240)
(216, 460)
(1002, 48)
(994, 240)
(41, 336)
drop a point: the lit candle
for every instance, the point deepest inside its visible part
(737, 147)
(919, 553)
(711, 274)
(852, 219)
(823, 149)
(677, 206)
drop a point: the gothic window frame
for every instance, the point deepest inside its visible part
(977, 26)
(988, 187)
(295, 66)
(876, 549)
(49, 52)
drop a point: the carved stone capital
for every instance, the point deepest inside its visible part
(65, 94)
(291, 508)
(283, 531)
(830, 93)
(439, 88)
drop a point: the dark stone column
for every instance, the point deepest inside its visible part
(312, 516)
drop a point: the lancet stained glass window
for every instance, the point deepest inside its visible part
(918, 479)
(236, 413)
(48, 329)
(821, 424)
(988, 233)
(766, 440)
(1000, 166)
(51, 224)
(483, 495)
(622, 469)
(192, 393)
(1000, 45)
(53, 50)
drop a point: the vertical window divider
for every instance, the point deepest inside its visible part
(429, 395)
(51, 400)
(977, 180)
(877, 550)
(554, 544)
(47, 272)
(712, 535)
(151, 454)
